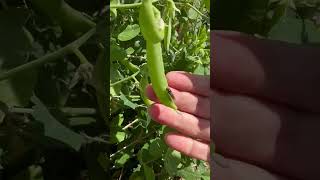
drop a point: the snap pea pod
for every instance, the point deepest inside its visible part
(151, 23)
(157, 74)
(152, 28)
(170, 13)
(167, 38)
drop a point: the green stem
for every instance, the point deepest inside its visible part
(133, 68)
(125, 79)
(81, 56)
(49, 57)
(127, 6)
(194, 8)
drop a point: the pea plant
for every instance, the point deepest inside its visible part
(53, 89)
(148, 39)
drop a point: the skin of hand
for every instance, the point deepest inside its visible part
(265, 108)
(192, 122)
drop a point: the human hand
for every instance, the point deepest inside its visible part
(265, 108)
(192, 122)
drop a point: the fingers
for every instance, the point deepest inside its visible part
(183, 122)
(188, 146)
(277, 71)
(237, 170)
(191, 83)
(187, 102)
(269, 135)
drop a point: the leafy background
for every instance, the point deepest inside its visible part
(52, 119)
(294, 21)
(139, 151)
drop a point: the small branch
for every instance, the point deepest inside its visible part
(139, 139)
(95, 139)
(49, 57)
(127, 146)
(130, 124)
(127, 6)
(124, 79)
(81, 56)
(194, 8)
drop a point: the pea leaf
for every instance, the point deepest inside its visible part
(129, 33)
(157, 148)
(54, 128)
(127, 102)
(148, 172)
(171, 161)
(122, 160)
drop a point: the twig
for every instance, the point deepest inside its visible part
(194, 8)
(130, 124)
(124, 79)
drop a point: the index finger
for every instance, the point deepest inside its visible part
(184, 81)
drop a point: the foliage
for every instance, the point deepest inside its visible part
(53, 89)
(293, 21)
(139, 149)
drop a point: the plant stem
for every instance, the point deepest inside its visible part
(194, 8)
(127, 6)
(49, 57)
(125, 79)
(130, 124)
(81, 56)
(127, 146)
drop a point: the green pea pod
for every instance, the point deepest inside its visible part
(157, 74)
(151, 23)
(153, 33)
(167, 38)
(170, 13)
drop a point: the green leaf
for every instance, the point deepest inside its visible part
(171, 161)
(148, 172)
(129, 33)
(117, 53)
(122, 160)
(117, 121)
(137, 175)
(157, 148)
(192, 14)
(117, 136)
(15, 45)
(189, 174)
(130, 50)
(127, 102)
(143, 154)
(54, 128)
